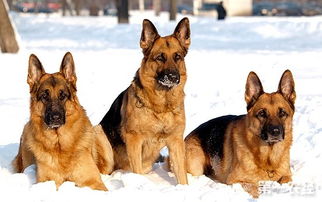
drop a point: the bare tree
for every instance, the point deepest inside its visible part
(78, 5)
(122, 11)
(67, 5)
(157, 7)
(173, 9)
(8, 42)
(94, 8)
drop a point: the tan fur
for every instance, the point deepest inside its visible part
(246, 158)
(154, 118)
(197, 160)
(73, 152)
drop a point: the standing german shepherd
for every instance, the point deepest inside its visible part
(59, 137)
(149, 114)
(249, 148)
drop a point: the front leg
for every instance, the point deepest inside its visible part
(285, 179)
(177, 158)
(46, 173)
(285, 172)
(86, 173)
(251, 188)
(24, 157)
(247, 179)
(134, 151)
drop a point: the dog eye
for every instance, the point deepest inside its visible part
(160, 58)
(177, 57)
(282, 113)
(44, 96)
(262, 114)
(62, 95)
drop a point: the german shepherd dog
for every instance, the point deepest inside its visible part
(249, 148)
(149, 114)
(59, 138)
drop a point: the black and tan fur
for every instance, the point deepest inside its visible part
(149, 114)
(249, 148)
(59, 138)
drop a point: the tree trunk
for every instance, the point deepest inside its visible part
(64, 6)
(157, 7)
(93, 8)
(173, 9)
(141, 5)
(9, 4)
(8, 42)
(123, 11)
(77, 6)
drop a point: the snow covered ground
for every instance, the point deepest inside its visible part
(220, 57)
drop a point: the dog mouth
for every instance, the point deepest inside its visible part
(54, 119)
(168, 82)
(273, 140)
(168, 78)
(272, 134)
(54, 126)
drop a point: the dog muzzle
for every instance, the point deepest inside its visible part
(168, 78)
(272, 134)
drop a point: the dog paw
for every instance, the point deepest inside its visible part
(285, 179)
(252, 189)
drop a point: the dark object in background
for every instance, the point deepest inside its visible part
(288, 9)
(93, 9)
(173, 10)
(32, 6)
(209, 6)
(110, 10)
(214, 7)
(185, 9)
(266, 8)
(221, 11)
(123, 11)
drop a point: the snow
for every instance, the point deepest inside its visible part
(221, 55)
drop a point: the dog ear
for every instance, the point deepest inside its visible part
(35, 71)
(67, 68)
(254, 89)
(287, 87)
(149, 34)
(182, 32)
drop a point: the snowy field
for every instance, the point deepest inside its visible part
(221, 55)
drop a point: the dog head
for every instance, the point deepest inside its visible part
(270, 114)
(163, 62)
(51, 93)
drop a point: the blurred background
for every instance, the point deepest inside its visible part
(193, 7)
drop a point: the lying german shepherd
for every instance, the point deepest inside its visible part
(149, 114)
(249, 148)
(59, 137)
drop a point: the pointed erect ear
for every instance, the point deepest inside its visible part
(67, 68)
(182, 32)
(35, 71)
(254, 89)
(149, 34)
(287, 87)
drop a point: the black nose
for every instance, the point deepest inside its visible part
(55, 117)
(275, 130)
(174, 77)
(169, 77)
